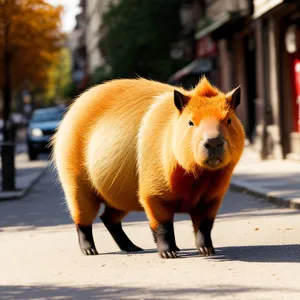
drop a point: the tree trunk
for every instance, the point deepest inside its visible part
(6, 94)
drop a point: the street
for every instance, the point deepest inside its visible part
(158, 88)
(257, 254)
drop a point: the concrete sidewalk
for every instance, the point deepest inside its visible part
(275, 180)
(27, 173)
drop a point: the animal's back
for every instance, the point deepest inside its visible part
(95, 145)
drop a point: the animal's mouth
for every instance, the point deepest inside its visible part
(213, 162)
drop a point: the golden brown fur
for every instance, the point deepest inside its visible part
(125, 144)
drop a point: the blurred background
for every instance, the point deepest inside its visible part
(51, 51)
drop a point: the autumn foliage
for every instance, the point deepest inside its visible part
(30, 37)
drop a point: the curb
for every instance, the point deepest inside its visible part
(17, 195)
(241, 186)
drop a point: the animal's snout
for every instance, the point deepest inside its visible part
(212, 148)
(215, 150)
(213, 143)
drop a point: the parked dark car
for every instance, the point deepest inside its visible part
(41, 126)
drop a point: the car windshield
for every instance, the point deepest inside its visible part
(47, 115)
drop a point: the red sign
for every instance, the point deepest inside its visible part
(206, 47)
(297, 90)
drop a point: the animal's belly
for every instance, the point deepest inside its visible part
(118, 188)
(111, 161)
(125, 202)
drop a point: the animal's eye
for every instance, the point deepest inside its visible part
(229, 121)
(191, 123)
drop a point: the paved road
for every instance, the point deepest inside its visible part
(257, 254)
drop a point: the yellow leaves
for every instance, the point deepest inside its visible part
(59, 76)
(34, 38)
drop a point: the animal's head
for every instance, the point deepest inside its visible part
(207, 132)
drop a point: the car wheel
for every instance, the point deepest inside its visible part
(32, 154)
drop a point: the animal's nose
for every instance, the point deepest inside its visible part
(212, 143)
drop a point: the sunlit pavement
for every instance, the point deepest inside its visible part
(276, 179)
(257, 254)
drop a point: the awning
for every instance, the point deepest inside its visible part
(198, 66)
(261, 7)
(209, 26)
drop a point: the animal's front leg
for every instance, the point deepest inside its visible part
(164, 237)
(203, 237)
(160, 215)
(203, 217)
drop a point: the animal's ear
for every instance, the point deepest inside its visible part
(234, 97)
(180, 100)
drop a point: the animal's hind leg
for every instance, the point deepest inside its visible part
(84, 205)
(86, 240)
(111, 218)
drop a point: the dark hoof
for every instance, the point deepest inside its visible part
(90, 251)
(86, 240)
(131, 248)
(207, 251)
(167, 254)
(165, 251)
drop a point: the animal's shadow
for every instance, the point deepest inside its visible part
(261, 253)
(285, 253)
(181, 254)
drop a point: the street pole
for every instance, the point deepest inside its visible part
(7, 146)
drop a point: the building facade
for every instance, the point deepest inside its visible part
(225, 36)
(277, 26)
(94, 23)
(256, 44)
(84, 41)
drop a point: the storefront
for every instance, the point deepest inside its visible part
(234, 54)
(292, 45)
(208, 58)
(276, 24)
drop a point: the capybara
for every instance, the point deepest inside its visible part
(137, 144)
